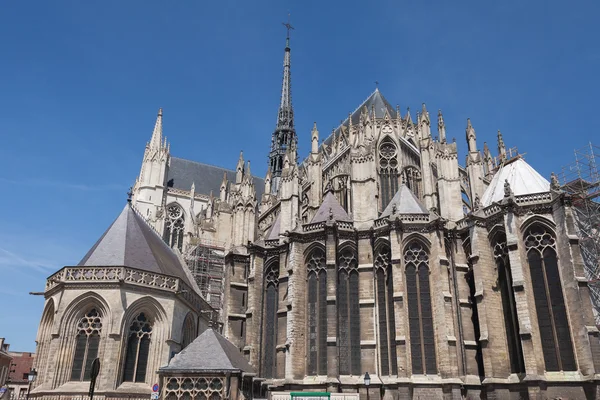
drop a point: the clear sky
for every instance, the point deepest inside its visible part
(82, 82)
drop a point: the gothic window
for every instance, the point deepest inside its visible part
(384, 286)
(388, 172)
(138, 349)
(411, 177)
(271, 305)
(509, 308)
(348, 314)
(420, 316)
(189, 331)
(87, 343)
(549, 301)
(195, 388)
(340, 189)
(174, 226)
(317, 313)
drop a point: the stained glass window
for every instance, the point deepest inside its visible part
(388, 172)
(270, 318)
(385, 310)
(348, 314)
(138, 349)
(317, 313)
(174, 226)
(87, 343)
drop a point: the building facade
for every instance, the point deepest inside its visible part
(377, 253)
(18, 379)
(5, 365)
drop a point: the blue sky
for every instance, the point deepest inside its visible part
(82, 82)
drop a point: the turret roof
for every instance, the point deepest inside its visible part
(129, 241)
(330, 209)
(209, 352)
(522, 178)
(405, 202)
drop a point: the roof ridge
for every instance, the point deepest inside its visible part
(213, 166)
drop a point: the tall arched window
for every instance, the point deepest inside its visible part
(509, 308)
(388, 172)
(348, 313)
(384, 285)
(549, 301)
(420, 316)
(411, 177)
(174, 226)
(189, 330)
(87, 343)
(138, 349)
(317, 313)
(271, 305)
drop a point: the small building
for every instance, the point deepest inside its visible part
(211, 367)
(5, 364)
(18, 378)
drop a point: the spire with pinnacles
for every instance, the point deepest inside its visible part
(441, 127)
(156, 142)
(239, 169)
(471, 137)
(314, 145)
(284, 136)
(501, 147)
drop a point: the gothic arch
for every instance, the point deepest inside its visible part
(348, 309)
(388, 169)
(316, 310)
(312, 247)
(270, 319)
(44, 339)
(417, 237)
(539, 220)
(149, 316)
(413, 179)
(419, 307)
(550, 308)
(79, 306)
(188, 329)
(175, 217)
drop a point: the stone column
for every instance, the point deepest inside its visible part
(396, 245)
(296, 321)
(332, 349)
(368, 343)
(254, 311)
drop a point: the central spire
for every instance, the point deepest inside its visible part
(284, 136)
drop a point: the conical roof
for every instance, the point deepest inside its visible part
(330, 209)
(523, 179)
(131, 242)
(405, 202)
(209, 352)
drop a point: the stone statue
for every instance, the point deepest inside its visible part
(554, 184)
(507, 189)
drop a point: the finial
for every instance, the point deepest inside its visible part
(441, 127)
(376, 85)
(129, 194)
(288, 27)
(160, 112)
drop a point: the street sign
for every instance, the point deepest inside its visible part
(93, 375)
(155, 387)
(154, 396)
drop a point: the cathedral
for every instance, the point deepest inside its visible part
(376, 252)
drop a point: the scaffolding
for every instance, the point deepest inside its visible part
(581, 179)
(206, 260)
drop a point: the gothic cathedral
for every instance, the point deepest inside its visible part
(376, 253)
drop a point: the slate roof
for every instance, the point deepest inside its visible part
(375, 99)
(182, 173)
(523, 179)
(209, 352)
(406, 203)
(275, 229)
(131, 242)
(330, 203)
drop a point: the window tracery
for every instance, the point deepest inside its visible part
(87, 343)
(174, 226)
(388, 171)
(348, 313)
(195, 388)
(138, 349)
(411, 177)
(420, 315)
(384, 285)
(317, 313)
(271, 282)
(550, 307)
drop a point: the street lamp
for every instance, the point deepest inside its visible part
(31, 378)
(367, 383)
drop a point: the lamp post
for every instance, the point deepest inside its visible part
(30, 378)
(367, 383)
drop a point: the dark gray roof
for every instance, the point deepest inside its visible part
(209, 352)
(330, 207)
(406, 203)
(131, 242)
(182, 173)
(375, 99)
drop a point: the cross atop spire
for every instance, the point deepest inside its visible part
(289, 27)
